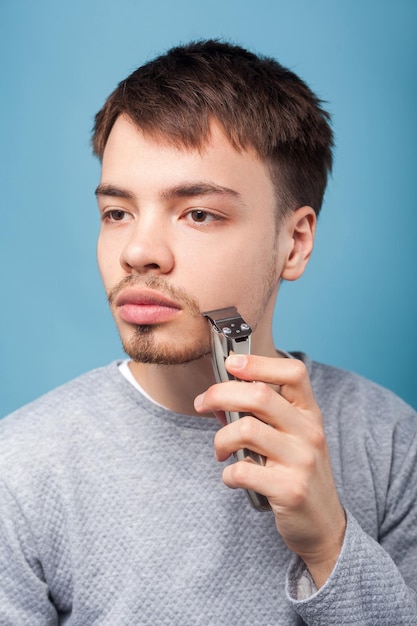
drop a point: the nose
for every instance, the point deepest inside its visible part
(149, 248)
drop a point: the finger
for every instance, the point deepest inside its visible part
(236, 396)
(221, 417)
(249, 432)
(276, 484)
(304, 451)
(258, 399)
(290, 375)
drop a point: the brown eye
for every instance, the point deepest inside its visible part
(198, 215)
(114, 215)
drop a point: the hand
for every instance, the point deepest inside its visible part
(297, 477)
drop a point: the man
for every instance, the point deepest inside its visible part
(214, 166)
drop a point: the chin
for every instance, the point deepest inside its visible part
(144, 347)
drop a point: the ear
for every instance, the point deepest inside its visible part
(300, 229)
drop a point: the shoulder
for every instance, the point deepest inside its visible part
(78, 392)
(66, 414)
(357, 401)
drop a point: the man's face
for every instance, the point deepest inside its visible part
(182, 232)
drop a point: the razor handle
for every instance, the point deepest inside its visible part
(231, 334)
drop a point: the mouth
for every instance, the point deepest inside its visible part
(145, 307)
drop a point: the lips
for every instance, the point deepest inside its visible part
(145, 307)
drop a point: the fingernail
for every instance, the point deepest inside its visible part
(237, 361)
(198, 401)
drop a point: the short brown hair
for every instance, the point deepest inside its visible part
(259, 103)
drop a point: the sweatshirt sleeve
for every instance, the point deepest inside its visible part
(365, 587)
(24, 595)
(374, 439)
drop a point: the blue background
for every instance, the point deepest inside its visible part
(356, 307)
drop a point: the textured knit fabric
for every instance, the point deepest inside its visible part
(113, 512)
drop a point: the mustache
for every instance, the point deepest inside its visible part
(159, 284)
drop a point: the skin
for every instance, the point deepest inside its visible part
(184, 231)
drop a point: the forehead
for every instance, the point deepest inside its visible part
(137, 157)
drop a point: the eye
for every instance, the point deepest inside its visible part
(115, 215)
(200, 216)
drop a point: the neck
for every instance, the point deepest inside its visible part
(176, 386)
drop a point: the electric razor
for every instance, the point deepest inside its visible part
(231, 334)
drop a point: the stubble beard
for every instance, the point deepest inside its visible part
(143, 345)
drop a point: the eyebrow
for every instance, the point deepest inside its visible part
(185, 190)
(190, 190)
(113, 191)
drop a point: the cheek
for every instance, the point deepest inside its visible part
(241, 278)
(100, 257)
(106, 260)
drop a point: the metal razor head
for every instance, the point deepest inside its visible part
(230, 323)
(230, 334)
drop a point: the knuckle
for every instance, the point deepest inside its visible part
(261, 393)
(248, 429)
(309, 463)
(299, 493)
(299, 370)
(317, 439)
(239, 473)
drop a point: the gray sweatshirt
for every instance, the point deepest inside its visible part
(113, 512)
